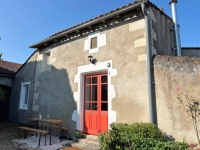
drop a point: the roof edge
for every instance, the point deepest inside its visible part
(36, 45)
(11, 62)
(25, 62)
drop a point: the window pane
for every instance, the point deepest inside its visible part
(94, 92)
(104, 79)
(93, 43)
(87, 106)
(94, 106)
(104, 106)
(48, 58)
(26, 94)
(46, 61)
(104, 92)
(88, 80)
(94, 80)
(87, 92)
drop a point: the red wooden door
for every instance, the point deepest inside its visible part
(95, 103)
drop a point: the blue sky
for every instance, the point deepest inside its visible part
(25, 22)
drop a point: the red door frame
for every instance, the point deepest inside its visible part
(95, 103)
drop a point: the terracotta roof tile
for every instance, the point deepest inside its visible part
(93, 19)
(9, 68)
(90, 20)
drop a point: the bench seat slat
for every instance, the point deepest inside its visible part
(34, 130)
(26, 129)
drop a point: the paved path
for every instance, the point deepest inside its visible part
(86, 144)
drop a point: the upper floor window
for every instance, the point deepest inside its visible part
(93, 43)
(46, 61)
(24, 95)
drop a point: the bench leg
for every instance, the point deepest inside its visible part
(25, 136)
(19, 133)
(45, 139)
(66, 133)
(39, 140)
(50, 134)
(61, 135)
(26, 131)
(36, 127)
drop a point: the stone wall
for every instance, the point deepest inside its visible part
(162, 35)
(190, 51)
(172, 72)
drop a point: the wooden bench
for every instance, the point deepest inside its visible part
(26, 129)
(63, 129)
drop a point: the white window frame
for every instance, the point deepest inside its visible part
(23, 92)
(90, 36)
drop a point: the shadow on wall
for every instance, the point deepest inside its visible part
(50, 91)
(55, 96)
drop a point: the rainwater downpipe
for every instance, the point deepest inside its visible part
(151, 85)
(176, 26)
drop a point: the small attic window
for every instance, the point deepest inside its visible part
(93, 43)
(46, 61)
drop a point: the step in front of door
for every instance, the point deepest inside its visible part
(90, 137)
(86, 144)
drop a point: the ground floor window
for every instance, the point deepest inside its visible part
(24, 96)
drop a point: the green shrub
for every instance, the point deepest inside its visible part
(137, 136)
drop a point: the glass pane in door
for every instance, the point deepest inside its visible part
(104, 92)
(94, 92)
(88, 80)
(94, 106)
(104, 106)
(87, 106)
(87, 93)
(104, 79)
(94, 80)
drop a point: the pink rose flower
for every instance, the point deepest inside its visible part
(99, 131)
(192, 145)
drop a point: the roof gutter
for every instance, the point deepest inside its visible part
(151, 84)
(37, 45)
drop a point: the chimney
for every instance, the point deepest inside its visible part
(176, 26)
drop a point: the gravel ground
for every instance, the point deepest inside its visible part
(8, 131)
(31, 143)
(9, 140)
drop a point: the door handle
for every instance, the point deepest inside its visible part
(97, 106)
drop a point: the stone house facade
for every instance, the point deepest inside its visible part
(58, 78)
